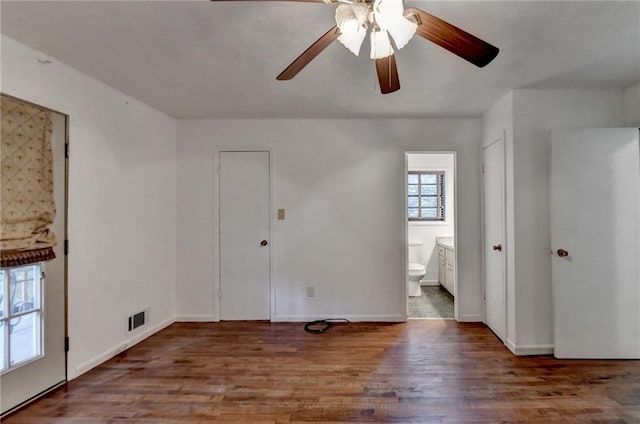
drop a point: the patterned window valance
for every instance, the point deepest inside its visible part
(27, 208)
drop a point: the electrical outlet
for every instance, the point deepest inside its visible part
(311, 291)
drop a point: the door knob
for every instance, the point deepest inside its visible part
(264, 243)
(497, 247)
(562, 253)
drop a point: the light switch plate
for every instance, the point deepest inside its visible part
(280, 213)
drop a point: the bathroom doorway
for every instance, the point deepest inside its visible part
(430, 234)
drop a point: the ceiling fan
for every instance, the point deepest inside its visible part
(389, 25)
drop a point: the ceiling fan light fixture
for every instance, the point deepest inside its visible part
(380, 44)
(400, 29)
(389, 16)
(351, 20)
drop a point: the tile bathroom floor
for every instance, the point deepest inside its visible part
(435, 302)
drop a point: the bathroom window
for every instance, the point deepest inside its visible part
(425, 195)
(20, 316)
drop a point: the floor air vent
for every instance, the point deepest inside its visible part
(137, 320)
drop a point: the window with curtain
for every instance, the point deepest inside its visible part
(27, 207)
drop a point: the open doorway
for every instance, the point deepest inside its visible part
(430, 235)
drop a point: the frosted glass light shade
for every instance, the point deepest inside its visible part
(380, 45)
(389, 15)
(351, 20)
(401, 30)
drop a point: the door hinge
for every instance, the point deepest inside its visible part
(66, 150)
(66, 344)
(66, 247)
(483, 168)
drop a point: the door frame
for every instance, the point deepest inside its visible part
(216, 227)
(405, 225)
(505, 247)
(67, 125)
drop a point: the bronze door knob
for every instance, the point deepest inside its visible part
(562, 253)
(264, 243)
(498, 247)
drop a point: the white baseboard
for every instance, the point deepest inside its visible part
(429, 283)
(105, 356)
(529, 350)
(196, 318)
(470, 318)
(352, 318)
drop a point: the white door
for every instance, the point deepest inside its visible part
(244, 236)
(595, 232)
(494, 265)
(33, 341)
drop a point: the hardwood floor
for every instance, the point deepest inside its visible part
(418, 372)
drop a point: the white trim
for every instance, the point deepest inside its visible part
(529, 350)
(430, 283)
(196, 318)
(470, 318)
(105, 356)
(352, 318)
(404, 289)
(428, 223)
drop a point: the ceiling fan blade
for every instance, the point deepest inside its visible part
(452, 38)
(388, 74)
(309, 54)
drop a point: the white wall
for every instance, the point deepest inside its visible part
(122, 203)
(534, 113)
(632, 106)
(341, 183)
(426, 232)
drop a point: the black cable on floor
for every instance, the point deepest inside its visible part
(322, 325)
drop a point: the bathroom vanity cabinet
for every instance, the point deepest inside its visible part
(446, 265)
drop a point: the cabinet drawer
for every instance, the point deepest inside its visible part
(450, 256)
(450, 280)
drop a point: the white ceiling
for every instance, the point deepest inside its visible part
(219, 59)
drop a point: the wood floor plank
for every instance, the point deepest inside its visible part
(417, 372)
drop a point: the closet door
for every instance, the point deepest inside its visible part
(595, 233)
(493, 169)
(244, 236)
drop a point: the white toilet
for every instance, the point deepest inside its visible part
(416, 270)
